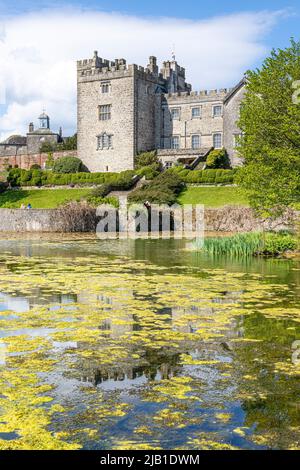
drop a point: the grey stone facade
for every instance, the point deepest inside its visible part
(30, 144)
(126, 109)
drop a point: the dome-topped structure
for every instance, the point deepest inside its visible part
(44, 120)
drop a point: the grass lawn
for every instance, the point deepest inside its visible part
(212, 196)
(40, 199)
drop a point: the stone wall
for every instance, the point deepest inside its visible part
(11, 150)
(36, 139)
(26, 161)
(225, 219)
(29, 220)
(242, 219)
(120, 126)
(147, 112)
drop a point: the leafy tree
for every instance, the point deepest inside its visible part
(47, 147)
(69, 143)
(146, 159)
(218, 158)
(270, 123)
(50, 161)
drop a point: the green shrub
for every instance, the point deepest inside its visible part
(98, 201)
(162, 190)
(36, 178)
(68, 165)
(209, 176)
(146, 159)
(276, 243)
(47, 147)
(50, 161)
(35, 166)
(150, 172)
(168, 180)
(117, 181)
(13, 177)
(26, 176)
(100, 191)
(218, 158)
(153, 195)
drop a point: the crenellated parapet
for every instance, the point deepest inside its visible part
(99, 63)
(103, 69)
(97, 67)
(205, 95)
(171, 76)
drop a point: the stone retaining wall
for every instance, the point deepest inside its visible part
(225, 219)
(29, 220)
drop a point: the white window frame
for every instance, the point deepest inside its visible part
(104, 141)
(173, 145)
(168, 165)
(214, 136)
(213, 110)
(105, 87)
(104, 112)
(178, 115)
(192, 141)
(198, 115)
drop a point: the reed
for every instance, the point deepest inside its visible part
(248, 244)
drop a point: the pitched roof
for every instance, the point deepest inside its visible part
(16, 140)
(235, 89)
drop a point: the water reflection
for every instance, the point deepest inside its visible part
(164, 348)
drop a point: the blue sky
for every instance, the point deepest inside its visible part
(41, 41)
(193, 9)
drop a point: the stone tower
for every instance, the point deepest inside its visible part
(124, 110)
(119, 109)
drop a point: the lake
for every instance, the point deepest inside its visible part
(146, 345)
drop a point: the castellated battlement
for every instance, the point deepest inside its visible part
(210, 94)
(98, 68)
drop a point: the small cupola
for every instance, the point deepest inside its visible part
(44, 121)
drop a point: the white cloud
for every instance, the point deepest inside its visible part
(39, 51)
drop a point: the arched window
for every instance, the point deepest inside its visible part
(104, 141)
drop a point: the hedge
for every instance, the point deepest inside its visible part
(17, 177)
(205, 176)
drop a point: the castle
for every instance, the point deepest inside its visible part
(18, 145)
(123, 110)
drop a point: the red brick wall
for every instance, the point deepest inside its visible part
(26, 161)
